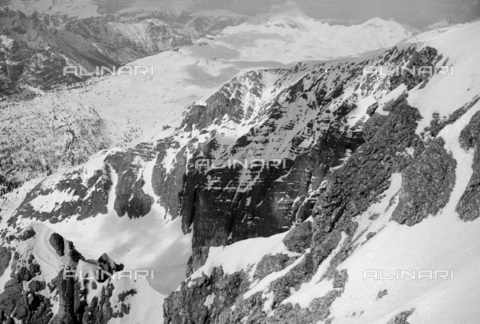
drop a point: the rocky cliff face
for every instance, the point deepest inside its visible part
(272, 135)
(342, 191)
(350, 191)
(299, 119)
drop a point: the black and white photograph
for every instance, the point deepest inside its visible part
(239, 161)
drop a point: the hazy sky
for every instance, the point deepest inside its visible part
(418, 13)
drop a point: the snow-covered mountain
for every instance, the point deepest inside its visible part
(366, 175)
(293, 36)
(385, 234)
(121, 111)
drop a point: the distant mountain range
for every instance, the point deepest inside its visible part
(36, 47)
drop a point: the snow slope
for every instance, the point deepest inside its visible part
(137, 249)
(440, 243)
(445, 94)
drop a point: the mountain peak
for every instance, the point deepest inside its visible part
(379, 22)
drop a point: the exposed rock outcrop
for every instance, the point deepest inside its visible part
(30, 296)
(299, 239)
(469, 205)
